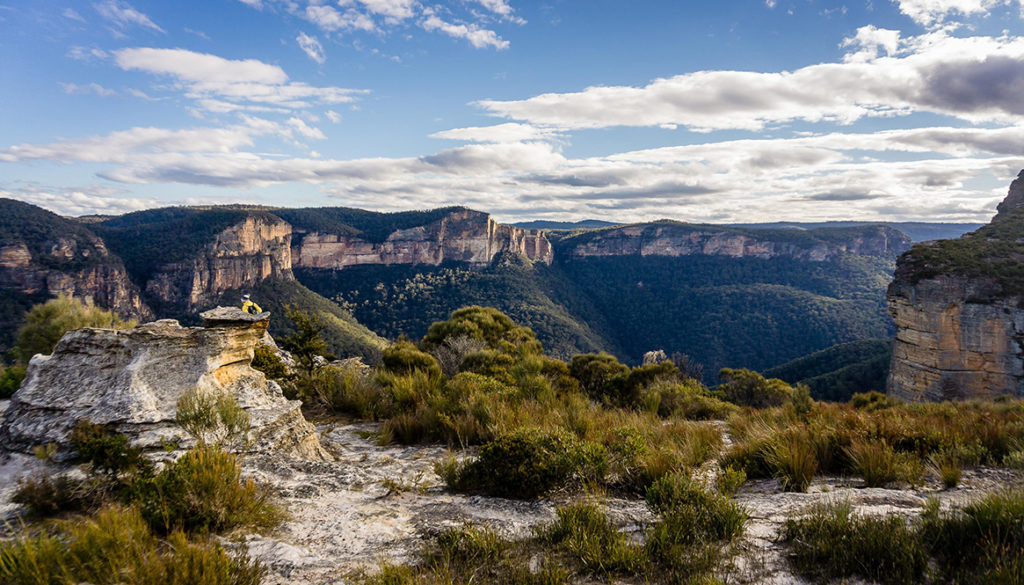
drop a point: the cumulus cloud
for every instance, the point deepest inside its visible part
(478, 37)
(930, 13)
(220, 84)
(74, 201)
(123, 15)
(312, 47)
(976, 79)
(331, 19)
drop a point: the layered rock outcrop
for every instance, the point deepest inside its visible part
(959, 312)
(674, 239)
(77, 266)
(132, 380)
(461, 236)
(257, 248)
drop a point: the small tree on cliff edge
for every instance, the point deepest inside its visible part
(305, 344)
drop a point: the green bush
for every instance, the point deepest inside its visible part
(874, 460)
(267, 361)
(983, 542)
(213, 418)
(793, 459)
(105, 451)
(831, 542)
(114, 547)
(872, 401)
(11, 378)
(585, 532)
(45, 324)
(49, 495)
(404, 358)
(204, 491)
(347, 390)
(748, 388)
(485, 324)
(524, 464)
(595, 372)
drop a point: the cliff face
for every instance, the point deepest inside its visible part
(669, 239)
(462, 236)
(74, 265)
(133, 379)
(241, 256)
(959, 312)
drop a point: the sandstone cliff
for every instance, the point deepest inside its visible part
(43, 255)
(132, 380)
(462, 235)
(678, 239)
(256, 248)
(959, 312)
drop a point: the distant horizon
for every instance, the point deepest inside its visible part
(751, 112)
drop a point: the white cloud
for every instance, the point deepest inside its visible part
(330, 19)
(394, 9)
(87, 53)
(123, 15)
(979, 79)
(480, 38)
(71, 14)
(510, 132)
(80, 201)
(871, 40)
(91, 88)
(220, 84)
(312, 47)
(501, 8)
(333, 116)
(932, 13)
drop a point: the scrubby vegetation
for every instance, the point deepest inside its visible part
(46, 323)
(123, 520)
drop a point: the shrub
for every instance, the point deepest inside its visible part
(305, 343)
(213, 417)
(983, 542)
(115, 546)
(105, 451)
(595, 372)
(404, 358)
(11, 378)
(204, 491)
(686, 399)
(524, 464)
(346, 389)
(946, 465)
(802, 401)
(45, 324)
(872, 400)
(1014, 460)
(585, 532)
(47, 495)
(451, 352)
(747, 388)
(830, 541)
(793, 460)
(730, 481)
(874, 460)
(266, 360)
(485, 324)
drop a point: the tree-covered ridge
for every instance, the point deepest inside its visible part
(147, 240)
(837, 373)
(801, 238)
(994, 253)
(372, 226)
(40, 231)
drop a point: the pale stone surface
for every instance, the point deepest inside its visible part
(462, 236)
(681, 240)
(132, 380)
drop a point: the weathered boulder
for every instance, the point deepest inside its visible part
(958, 306)
(132, 380)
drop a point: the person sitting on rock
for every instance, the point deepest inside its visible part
(249, 306)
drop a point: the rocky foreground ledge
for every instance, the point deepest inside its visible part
(132, 380)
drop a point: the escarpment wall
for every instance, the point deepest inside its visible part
(257, 248)
(461, 236)
(676, 240)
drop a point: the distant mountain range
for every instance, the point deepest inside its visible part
(738, 296)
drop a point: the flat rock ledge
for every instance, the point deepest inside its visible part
(132, 380)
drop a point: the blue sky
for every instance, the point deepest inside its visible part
(758, 110)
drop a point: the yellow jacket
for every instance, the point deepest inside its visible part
(251, 307)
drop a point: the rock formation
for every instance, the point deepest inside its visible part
(677, 239)
(132, 380)
(242, 255)
(462, 236)
(959, 312)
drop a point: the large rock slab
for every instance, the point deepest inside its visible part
(132, 380)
